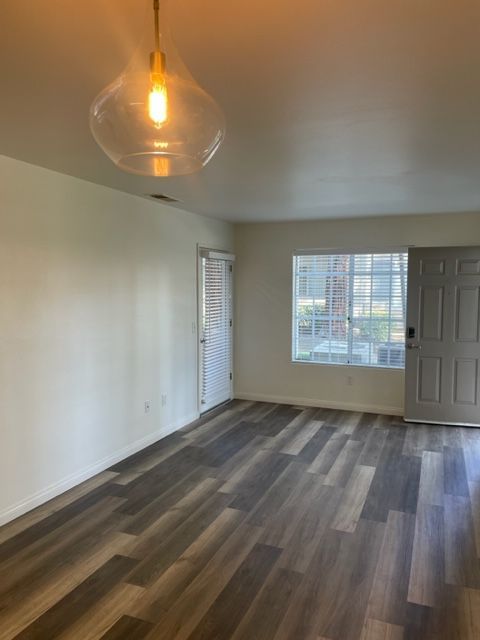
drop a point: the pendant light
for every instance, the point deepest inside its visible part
(154, 119)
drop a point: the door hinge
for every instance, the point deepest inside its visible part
(231, 377)
(231, 323)
(231, 268)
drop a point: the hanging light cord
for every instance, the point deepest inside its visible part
(156, 8)
(157, 57)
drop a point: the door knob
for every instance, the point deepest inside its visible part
(414, 346)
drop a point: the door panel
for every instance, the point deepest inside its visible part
(465, 374)
(443, 328)
(429, 379)
(431, 312)
(466, 317)
(432, 266)
(468, 267)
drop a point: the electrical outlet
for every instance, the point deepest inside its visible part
(164, 399)
(350, 381)
(147, 406)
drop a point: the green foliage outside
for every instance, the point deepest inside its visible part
(375, 330)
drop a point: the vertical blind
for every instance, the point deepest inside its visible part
(350, 308)
(216, 354)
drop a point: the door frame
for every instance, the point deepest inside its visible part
(222, 254)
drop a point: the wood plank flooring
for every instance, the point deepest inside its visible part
(259, 522)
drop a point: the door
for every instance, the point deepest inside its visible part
(443, 327)
(216, 328)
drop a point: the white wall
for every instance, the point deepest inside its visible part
(263, 368)
(97, 300)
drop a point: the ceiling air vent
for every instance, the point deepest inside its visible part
(162, 197)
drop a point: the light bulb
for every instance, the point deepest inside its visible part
(155, 119)
(158, 105)
(158, 97)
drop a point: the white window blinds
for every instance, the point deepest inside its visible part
(216, 338)
(350, 308)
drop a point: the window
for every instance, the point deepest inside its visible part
(350, 308)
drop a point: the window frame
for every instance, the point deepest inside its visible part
(339, 252)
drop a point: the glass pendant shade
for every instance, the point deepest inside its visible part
(154, 119)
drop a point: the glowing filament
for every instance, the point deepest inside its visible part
(158, 104)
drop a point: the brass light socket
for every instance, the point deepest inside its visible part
(157, 62)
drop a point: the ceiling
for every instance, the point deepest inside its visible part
(333, 109)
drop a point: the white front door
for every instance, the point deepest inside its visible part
(443, 336)
(216, 326)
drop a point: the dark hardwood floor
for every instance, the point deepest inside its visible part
(259, 522)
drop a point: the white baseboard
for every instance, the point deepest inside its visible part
(326, 404)
(54, 490)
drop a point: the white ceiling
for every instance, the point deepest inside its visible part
(334, 108)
